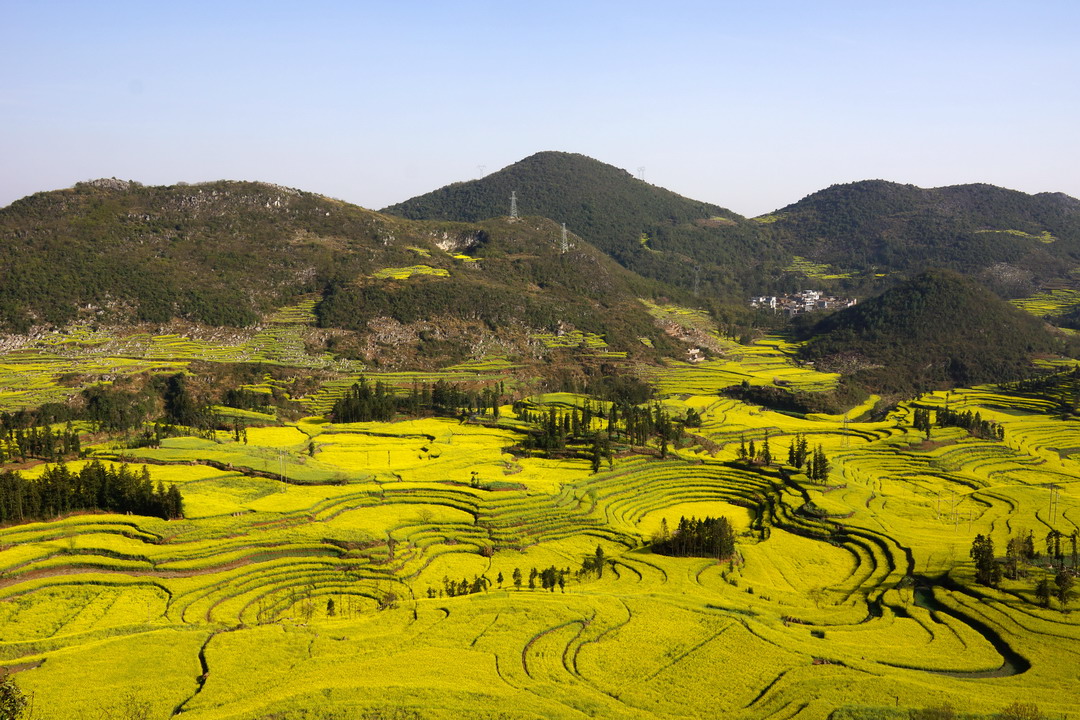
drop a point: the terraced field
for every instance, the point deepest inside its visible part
(56, 365)
(312, 574)
(1049, 302)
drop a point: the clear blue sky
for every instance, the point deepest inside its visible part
(750, 105)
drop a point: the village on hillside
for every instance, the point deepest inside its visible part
(801, 302)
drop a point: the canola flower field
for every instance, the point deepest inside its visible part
(307, 578)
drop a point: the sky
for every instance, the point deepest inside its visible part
(748, 105)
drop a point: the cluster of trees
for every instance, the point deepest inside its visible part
(832, 402)
(46, 414)
(1014, 711)
(1021, 551)
(169, 399)
(115, 409)
(556, 429)
(39, 442)
(1063, 387)
(95, 487)
(708, 537)
(1060, 589)
(636, 425)
(799, 456)
(629, 423)
(753, 454)
(152, 435)
(1055, 546)
(970, 421)
(987, 569)
(594, 564)
(816, 463)
(244, 399)
(362, 403)
(921, 421)
(480, 583)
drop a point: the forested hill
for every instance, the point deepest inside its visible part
(1011, 240)
(226, 253)
(648, 229)
(937, 330)
(218, 253)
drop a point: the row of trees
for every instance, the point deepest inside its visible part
(549, 578)
(364, 403)
(973, 422)
(95, 487)
(40, 442)
(799, 456)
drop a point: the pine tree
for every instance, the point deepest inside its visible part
(987, 571)
(1064, 591)
(1044, 591)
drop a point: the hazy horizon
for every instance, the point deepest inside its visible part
(748, 108)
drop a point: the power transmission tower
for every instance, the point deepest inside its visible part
(481, 168)
(1052, 510)
(697, 279)
(513, 205)
(641, 173)
(565, 244)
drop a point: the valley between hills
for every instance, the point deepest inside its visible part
(268, 455)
